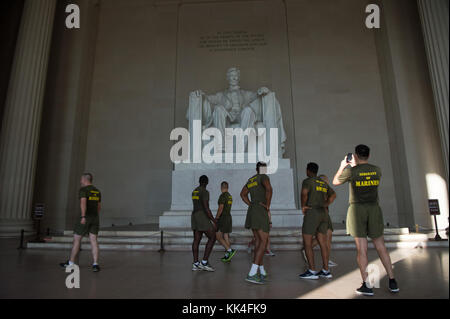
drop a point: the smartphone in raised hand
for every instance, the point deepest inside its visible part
(349, 157)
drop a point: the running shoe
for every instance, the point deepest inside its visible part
(309, 275)
(230, 255)
(206, 267)
(95, 268)
(255, 279)
(393, 287)
(332, 264)
(364, 290)
(325, 274)
(270, 253)
(264, 278)
(196, 267)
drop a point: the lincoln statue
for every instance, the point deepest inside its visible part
(237, 108)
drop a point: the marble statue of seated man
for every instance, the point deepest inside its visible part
(237, 108)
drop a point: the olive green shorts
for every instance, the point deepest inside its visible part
(257, 218)
(90, 227)
(315, 221)
(225, 224)
(365, 220)
(200, 221)
(330, 223)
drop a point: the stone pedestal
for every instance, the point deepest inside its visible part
(185, 178)
(21, 123)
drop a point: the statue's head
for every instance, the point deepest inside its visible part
(233, 76)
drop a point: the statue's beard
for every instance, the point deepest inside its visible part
(234, 85)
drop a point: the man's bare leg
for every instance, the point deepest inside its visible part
(269, 251)
(260, 249)
(329, 243)
(211, 234)
(268, 244)
(195, 244)
(307, 244)
(363, 261)
(329, 240)
(384, 255)
(94, 247)
(315, 242)
(75, 247)
(221, 238)
(226, 237)
(322, 239)
(257, 243)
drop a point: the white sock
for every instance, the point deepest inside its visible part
(262, 271)
(204, 262)
(95, 264)
(229, 250)
(313, 272)
(196, 263)
(253, 270)
(71, 263)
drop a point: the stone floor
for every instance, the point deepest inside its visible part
(421, 273)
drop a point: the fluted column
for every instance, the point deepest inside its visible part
(22, 117)
(434, 17)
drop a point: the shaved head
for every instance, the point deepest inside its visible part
(86, 179)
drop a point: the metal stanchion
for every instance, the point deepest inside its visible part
(161, 249)
(22, 234)
(437, 237)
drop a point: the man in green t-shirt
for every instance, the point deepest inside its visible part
(225, 222)
(202, 222)
(316, 196)
(258, 218)
(329, 232)
(364, 215)
(88, 223)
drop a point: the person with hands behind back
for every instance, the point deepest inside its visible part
(258, 218)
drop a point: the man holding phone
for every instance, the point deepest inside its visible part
(364, 215)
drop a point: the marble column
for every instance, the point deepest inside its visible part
(434, 17)
(22, 118)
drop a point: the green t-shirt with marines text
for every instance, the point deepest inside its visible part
(226, 200)
(318, 192)
(93, 196)
(364, 180)
(256, 188)
(199, 195)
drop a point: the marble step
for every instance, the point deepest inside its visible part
(181, 239)
(184, 232)
(173, 240)
(239, 247)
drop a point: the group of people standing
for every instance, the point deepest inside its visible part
(364, 219)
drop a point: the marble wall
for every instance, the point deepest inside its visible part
(318, 57)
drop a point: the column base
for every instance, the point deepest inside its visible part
(12, 227)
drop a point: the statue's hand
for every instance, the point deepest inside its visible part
(234, 114)
(263, 91)
(199, 93)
